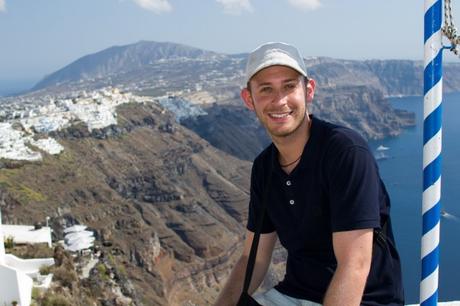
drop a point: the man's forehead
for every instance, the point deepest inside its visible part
(277, 72)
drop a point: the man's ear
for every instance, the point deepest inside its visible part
(247, 98)
(310, 90)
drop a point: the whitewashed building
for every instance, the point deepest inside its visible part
(17, 275)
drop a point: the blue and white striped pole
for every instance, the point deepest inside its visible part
(432, 143)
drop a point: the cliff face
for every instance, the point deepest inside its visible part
(362, 108)
(236, 130)
(231, 128)
(173, 206)
(391, 77)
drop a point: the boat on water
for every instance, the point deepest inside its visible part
(379, 155)
(382, 148)
(444, 213)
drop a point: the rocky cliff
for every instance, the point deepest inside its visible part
(236, 130)
(172, 206)
(391, 77)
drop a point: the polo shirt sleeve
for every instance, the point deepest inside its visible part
(354, 188)
(255, 203)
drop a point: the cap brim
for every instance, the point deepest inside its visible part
(279, 60)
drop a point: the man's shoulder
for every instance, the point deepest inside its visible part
(339, 137)
(265, 156)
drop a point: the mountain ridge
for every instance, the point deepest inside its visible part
(133, 63)
(107, 61)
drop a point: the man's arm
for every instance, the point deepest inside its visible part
(232, 290)
(353, 251)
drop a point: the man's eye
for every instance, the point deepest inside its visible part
(290, 86)
(265, 89)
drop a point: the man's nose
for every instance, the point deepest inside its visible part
(280, 97)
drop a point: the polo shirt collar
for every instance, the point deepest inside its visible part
(307, 154)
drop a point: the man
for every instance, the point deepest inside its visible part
(327, 203)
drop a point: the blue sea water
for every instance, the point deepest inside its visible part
(402, 174)
(14, 87)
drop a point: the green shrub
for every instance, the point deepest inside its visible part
(45, 270)
(35, 293)
(102, 269)
(65, 276)
(122, 270)
(26, 251)
(55, 300)
(9, 242)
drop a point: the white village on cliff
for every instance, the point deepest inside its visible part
(20, 123)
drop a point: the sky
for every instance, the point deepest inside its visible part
(38, 37)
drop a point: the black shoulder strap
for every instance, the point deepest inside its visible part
(380, 234)
(255, 241)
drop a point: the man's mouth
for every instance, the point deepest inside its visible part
(280, 115)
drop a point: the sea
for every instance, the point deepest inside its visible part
(14, 87)
(401, 170)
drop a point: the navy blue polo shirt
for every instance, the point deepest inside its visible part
(335, 187)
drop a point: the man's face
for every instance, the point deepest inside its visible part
(278, 95)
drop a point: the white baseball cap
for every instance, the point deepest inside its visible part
(274, 53)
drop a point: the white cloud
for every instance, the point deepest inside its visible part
(235, 7)
(156, 6)
(305, 4)
(2, 6)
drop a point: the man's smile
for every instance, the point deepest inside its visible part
(280, 115)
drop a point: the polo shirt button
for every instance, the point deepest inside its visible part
(291, 202)
(288, 183)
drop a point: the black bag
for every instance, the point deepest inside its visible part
(245, 298)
